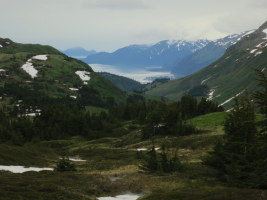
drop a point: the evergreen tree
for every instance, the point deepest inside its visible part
(235, 158)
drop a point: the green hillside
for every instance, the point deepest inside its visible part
(124, 83)
(51, 74)
(227, 77)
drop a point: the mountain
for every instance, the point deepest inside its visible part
(206, 55)
(226, 78)
(31, 73)
(125, 84)
(164, 53)
(78, 52)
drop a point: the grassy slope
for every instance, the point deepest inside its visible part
(55, 75)
(117, 157)
(125, 84)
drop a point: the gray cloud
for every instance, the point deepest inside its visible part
(117, 4)
(111, 24)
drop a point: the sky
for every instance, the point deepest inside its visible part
(106, 25)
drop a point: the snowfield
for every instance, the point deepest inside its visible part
(22, 169)
(28, 67)
(84, 76)
(40, 57)
(126, 196)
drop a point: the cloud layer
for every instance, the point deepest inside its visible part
(110, 24)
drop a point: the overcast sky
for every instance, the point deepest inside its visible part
(105, 25)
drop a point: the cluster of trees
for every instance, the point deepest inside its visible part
(57, 121)
(242, 156)
(160, 162)
(160, 118)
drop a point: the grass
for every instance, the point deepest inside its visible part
(117, 157)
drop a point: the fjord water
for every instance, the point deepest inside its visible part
(143, 74)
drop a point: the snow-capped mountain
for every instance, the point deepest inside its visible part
(227, 77)
(163, 53)
(206, 55)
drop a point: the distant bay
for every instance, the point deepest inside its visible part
(143, 74)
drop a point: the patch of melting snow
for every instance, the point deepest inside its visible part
(253, 50)
(125, 196)
(74, 97)
(114, 179)
(2, 70)
(1, 46)
(210, 95)
(145, 149)
(205, 80)
(258, 53)
(28, 67)
(40, 57)
(84, 76)
(76, 159)
(74, 89)
(22, 169)
(230, 99)
(263, 69)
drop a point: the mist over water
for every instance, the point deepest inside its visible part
(142, 74)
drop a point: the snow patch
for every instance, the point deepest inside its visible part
(126, 196)
(146, 149)
(253, 50)
(74, 97)
(230, 99)
(210, 95)
(22, 169)
(84, 76)
(205, 80)
(40, 57)
(265, 31)
(76, 159)
(28, 67)
(1, 46)
(258, 53)
(2, 70)
(74, 89)
(263, 69)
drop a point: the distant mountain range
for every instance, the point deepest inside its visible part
(164, 53)
(78, 52)
(181, 57)
(226, 78)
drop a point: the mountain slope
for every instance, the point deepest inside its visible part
(227, 77)
(30, 71)
(124, 83)
(206, 55)
(163, 53)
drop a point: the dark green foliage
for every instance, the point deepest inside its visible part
(235, 156)
(241, 158)
(164, 162)
(125, 84)
(64, 165)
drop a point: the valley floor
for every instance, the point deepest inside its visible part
(109, 167)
